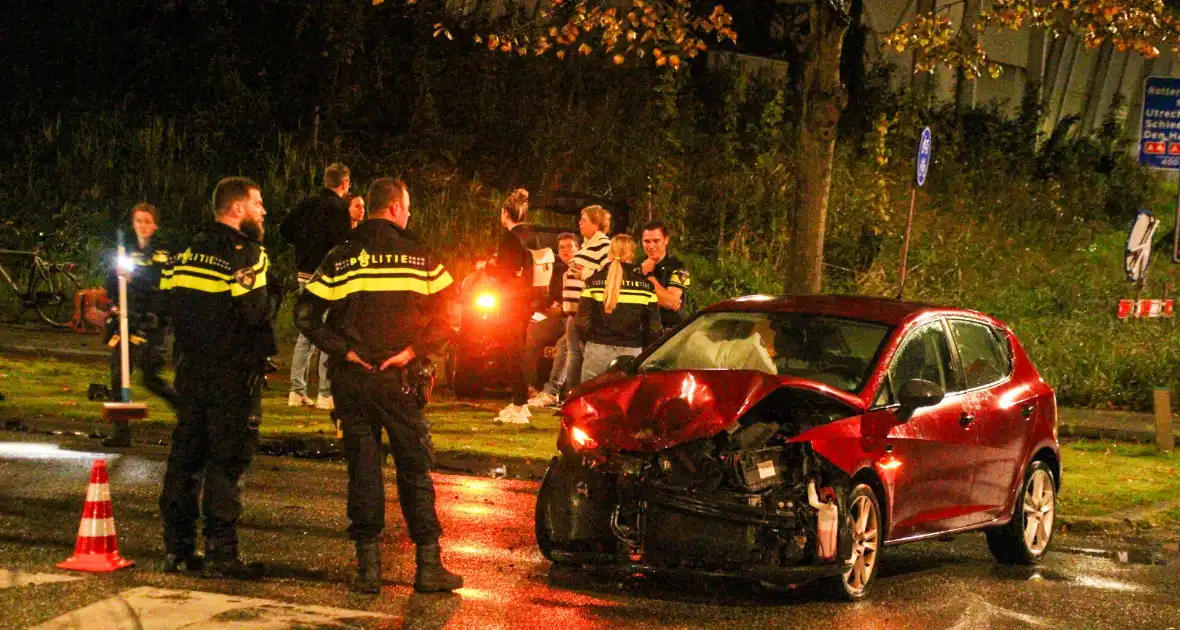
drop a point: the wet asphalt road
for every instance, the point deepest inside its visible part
(294, 520)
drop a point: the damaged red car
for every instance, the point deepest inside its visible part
(795, 438)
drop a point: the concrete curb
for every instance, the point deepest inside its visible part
(70, 353)
(308, 447)
(1106, 433)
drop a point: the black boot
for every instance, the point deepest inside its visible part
(432, 576)
(368, 568)
(120, 437)
(224, 563)
(189, 560)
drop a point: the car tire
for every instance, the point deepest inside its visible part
(541, 518)
(864, 514)
(1026, 538)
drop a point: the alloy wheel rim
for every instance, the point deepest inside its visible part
(864, 544)
(1039, 507)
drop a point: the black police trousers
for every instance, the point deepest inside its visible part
(211, 449)
(369, 403)
(149, 358)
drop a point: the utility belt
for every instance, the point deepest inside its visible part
(418, 378)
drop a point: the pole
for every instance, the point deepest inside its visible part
(1163, 419)
(905, 247)
(1176, 226)
(124, 342)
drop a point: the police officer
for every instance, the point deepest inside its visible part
(218, 298)
(667, 274)
(145, 261)
(385, 296)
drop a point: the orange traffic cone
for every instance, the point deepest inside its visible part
(97, 550)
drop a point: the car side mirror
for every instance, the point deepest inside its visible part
(917, 393)
(620, 362)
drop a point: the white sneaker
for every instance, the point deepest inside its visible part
(513, 414)
(543, 400)
(295, 399)
(324, 402)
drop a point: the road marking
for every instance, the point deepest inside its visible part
(168, 609)
(12, 578)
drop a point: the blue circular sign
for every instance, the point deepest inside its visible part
(924, 156)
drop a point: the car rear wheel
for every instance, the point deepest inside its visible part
(1026, 538)
(864, 513)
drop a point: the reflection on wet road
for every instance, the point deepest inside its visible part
(294, 519)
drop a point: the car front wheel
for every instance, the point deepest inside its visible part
(1026, 538)
(864, 513)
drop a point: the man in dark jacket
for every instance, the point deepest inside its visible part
(217, 293)
(385, 296)
(314, 227)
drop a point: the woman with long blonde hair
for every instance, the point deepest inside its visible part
(618, 313)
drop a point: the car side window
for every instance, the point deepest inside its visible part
(926, 355)
(984, 361)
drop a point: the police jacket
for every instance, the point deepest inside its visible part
(635, 320)
(314, 227)
(216, 292)
(383, 291)
(143, 281)
(671, 273)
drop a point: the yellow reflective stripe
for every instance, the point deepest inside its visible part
(198, 283)
(439, 283)
(193, 269)
(380, 271)
(376, 284)
(263, 262)
(320, 290)
(625, 297)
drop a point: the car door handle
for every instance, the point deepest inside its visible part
(966, 419)
(1026, 411)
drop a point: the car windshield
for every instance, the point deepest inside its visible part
(831, 350)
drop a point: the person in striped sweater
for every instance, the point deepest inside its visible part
(593, 224)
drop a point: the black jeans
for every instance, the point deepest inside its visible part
(211, 449)
(369, 403)
(514, 356)
(149, 358)
(540, 335)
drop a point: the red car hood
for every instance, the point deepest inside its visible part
(656, 410)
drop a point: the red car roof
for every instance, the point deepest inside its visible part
(882, 310)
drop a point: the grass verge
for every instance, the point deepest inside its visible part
(1103, 478)
(55, 389)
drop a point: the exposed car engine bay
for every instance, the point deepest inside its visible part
(745, 498)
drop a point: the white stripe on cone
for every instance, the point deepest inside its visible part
(98, 492)
(96, 528)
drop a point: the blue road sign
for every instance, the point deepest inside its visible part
(1159, 137)
(924, 156)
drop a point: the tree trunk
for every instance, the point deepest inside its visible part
(824, 99)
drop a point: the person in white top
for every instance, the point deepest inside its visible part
(593, 224)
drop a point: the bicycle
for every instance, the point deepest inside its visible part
(49, 287)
